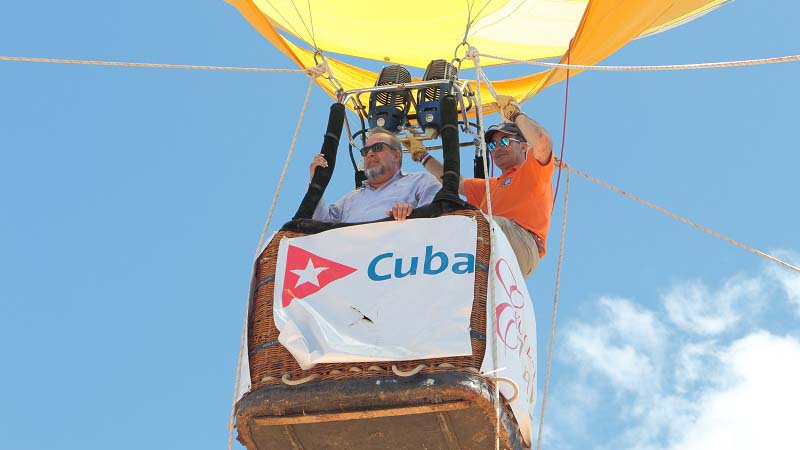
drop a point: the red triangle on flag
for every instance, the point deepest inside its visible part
(307, 273)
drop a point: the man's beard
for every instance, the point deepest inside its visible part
(372, 172)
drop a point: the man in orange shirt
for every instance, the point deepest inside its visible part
(522, 196)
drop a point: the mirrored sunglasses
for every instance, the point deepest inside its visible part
(502, 142)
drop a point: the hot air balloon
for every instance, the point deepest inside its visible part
(344, 329)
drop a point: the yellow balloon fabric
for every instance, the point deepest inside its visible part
(414, 32)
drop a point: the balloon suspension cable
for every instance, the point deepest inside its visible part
(309, 31)
(555, 310)
(476, 60)
(563, 128)
(465, 40)
(711, 65)
(339, 90)
(285, 167)
(84, 62)
(682, 219)
(285, 20)
(500, 108)
(311, 20)
(237, 380)
(328, 74)
(470, 19)
(456, 62)
(258, 250)
(492, 91)
(470, 5)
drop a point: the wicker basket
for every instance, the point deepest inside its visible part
(270, 362)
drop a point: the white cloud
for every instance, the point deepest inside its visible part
(633, 323)
(623, 346)
(656, 419)
(575, 401)
(706, 377)
(693, 364)
(748, 402)
(788, 280)
(683, 384)
(693, 308)
(755, 407)
(626, 368)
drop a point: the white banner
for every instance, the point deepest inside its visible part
(515, 332)
(388, 291)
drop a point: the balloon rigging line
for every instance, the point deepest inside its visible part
(300, 16)
(149, 65)
(486, 24)
(258, 249)
(496, 398)
(555, 309)
(681, 219)
(564, 127)
(311, 20)
(285, 167)
(711, 65)
(474, 55)
(284, 19)
(238, 373)
(477, 16)
(674, 67)
(470, 5)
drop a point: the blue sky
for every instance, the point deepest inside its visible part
(132, 201)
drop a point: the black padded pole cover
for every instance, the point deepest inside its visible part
(322, 175)
(450, 150)
(360, 178)
(477, 167)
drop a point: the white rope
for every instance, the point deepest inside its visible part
(682, 219)
(287, 379)
(712, 65)
(489, 84)
(238, 376)
(511, 383)
(492, 90)
(285, 166)
(407, 373)
(258, 248)
(148, 65)
(473, 54)
(555, 309)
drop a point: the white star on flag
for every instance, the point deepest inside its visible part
(309, 274)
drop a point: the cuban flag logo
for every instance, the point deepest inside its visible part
(307, 273)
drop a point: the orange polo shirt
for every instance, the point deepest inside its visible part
(524, 194)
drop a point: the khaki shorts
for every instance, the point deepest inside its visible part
(522, 242)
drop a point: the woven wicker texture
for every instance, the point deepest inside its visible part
(270, 361)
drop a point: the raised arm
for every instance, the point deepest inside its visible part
(537, 137)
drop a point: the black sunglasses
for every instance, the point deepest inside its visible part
(503, 142)
(374, 148)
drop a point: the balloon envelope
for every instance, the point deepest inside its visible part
(414, 32)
